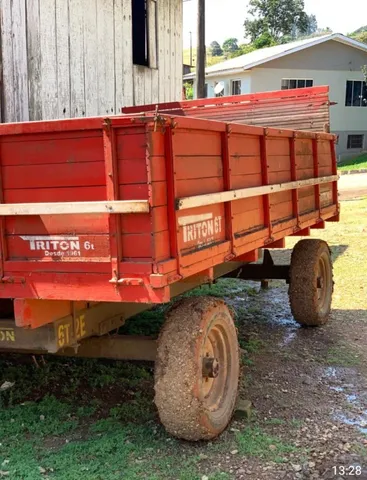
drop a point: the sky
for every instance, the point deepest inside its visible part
(224, 18)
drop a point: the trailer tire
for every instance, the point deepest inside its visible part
(197, 369)
(311, 282)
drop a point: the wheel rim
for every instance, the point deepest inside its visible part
(324, 282)
(216, 360)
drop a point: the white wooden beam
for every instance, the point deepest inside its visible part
(222, 197)
(74, 208)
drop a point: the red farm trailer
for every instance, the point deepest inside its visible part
(104, 218)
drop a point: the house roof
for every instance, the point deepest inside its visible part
(264, 55)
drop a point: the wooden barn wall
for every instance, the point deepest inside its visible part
(73, 58)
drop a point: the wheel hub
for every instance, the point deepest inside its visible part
(210, 367)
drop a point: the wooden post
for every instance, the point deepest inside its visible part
(200, 56)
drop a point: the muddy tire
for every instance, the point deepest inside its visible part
(197, 369)
(311, 282)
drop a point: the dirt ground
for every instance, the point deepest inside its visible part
(65, 419)
(353, 186)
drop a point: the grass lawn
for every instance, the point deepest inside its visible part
(356, 163)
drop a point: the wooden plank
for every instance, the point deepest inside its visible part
(220, 197)
(194, 186)
(131, 146)
(246, 181)
(60, 225)
(156, 192)
(245, 165)
(8, 94)
(247, 205)
(63, 59)
(119, 59)
(63, 194)
(38, 150)
(155, 221)
(20, 85)
(77, 86)
(198, 167)
(147, 85)
(34, 60)
(127, 56)
(280, 176)
(146, 245)
(75, 208)
(161, 50)
(91, 65)
(196, 143)
(248, 221)
(152, 25)
(106, 58)
(49, 60)
(178, 49)
(172, 51)
(139, 84)
(154, 52)
(244, 145)
(54, 175)
(167, 51)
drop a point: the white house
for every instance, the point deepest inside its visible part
(334, 60)
(74, 58)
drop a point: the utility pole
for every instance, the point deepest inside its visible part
(200, 56)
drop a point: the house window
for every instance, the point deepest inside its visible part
(356, 94)
(355, 141)
(236, 87)
(144, 27)
(290, 83)
(206, 91)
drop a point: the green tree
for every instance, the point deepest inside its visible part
(264, 40)
(312, 25)
(361, 37)
(278, 18)
(216, 49)
(243, 49)
(364, 71)
(360, 30)
(230, 45)
(189, 91)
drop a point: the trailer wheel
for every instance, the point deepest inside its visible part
(311, 282)
(197, 369)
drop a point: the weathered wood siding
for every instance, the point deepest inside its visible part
(73, 58)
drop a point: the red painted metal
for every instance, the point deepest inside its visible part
(295, 200)
(112, 176)
(265, 181)
(300, 109)
(159, 159)
(227, 186)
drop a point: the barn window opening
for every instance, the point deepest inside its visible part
(355, 141)
(140, 32)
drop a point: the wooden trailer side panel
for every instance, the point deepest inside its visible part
(68, 167)
(234, 158)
